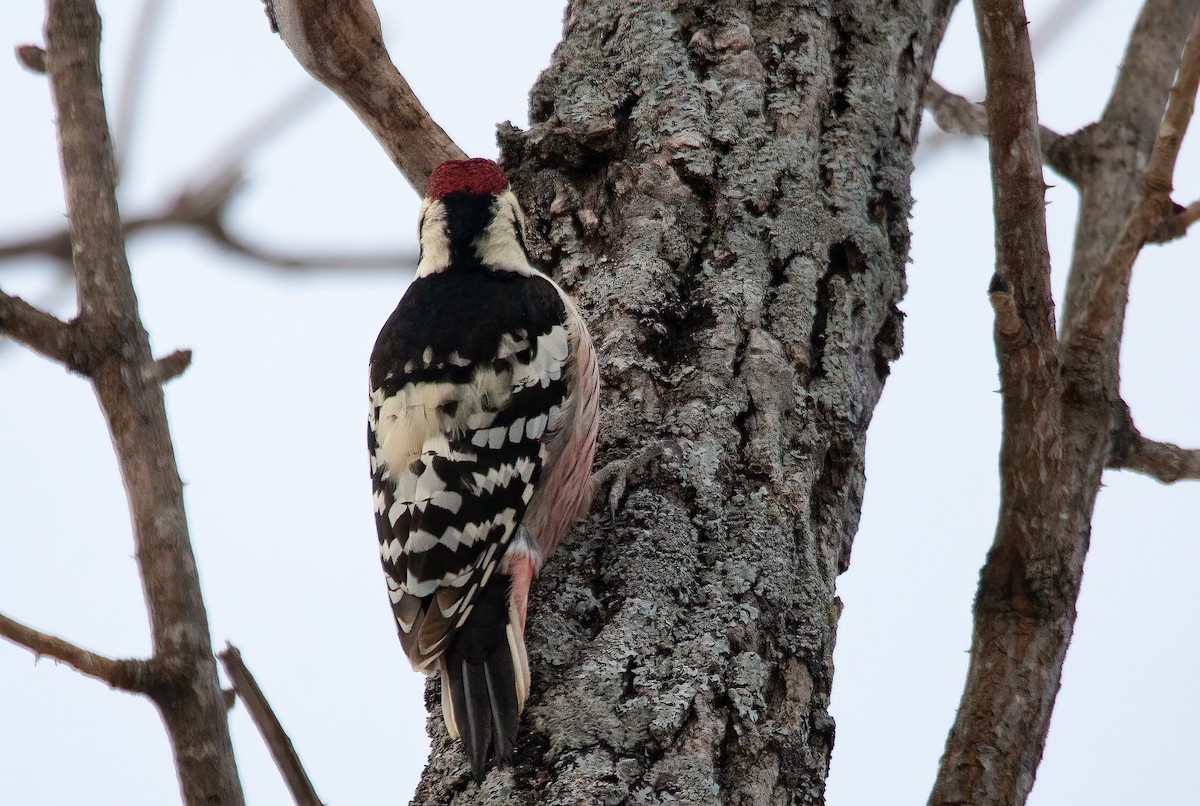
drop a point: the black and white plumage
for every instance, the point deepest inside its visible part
(482, 431)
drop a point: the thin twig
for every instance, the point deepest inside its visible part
(127, 675)
(204, 208)
(341, 45)
(1113, 282)
(281, 747)
(954, 114)
(1175, 224)
(1163, 461)
(39, 331)
(172, 365)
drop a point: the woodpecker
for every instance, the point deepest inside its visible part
(482, 432)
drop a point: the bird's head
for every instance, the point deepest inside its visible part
(471, 219)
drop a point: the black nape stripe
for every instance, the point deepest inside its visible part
(467, 216)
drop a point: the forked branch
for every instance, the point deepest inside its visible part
(1056, 414)
(1154, 208)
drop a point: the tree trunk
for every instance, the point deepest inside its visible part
(724, 187)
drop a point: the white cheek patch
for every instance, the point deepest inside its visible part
(434, 238)
(498, 246)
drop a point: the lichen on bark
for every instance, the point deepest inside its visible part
(724, 187)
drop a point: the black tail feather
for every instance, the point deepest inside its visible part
(478, 668)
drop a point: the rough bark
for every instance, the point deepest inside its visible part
(725, 188)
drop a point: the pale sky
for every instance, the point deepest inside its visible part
(269, 430)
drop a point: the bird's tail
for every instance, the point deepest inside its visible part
(485, 678)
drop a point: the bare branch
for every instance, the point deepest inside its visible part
(204, 208)
(203, 203)
(1042, 38)
(1102, 306)
(110, 326)
(281, 747)
(1000, 728)
(1163, 461)
(954, 114)
(138, 676)
(172, 365)
(341, 45)
(40, 331)
(1022, 254)
(1160, 172)
(1175, 225)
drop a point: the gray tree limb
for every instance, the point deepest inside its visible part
(203, 207)
(40, 331)
(341, 45)
(137, 676)
(1063, 394)
(118, 351)
(269, 727)
(1022, 617)
(1162, 461)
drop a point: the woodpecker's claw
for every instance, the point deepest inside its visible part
(615, 475)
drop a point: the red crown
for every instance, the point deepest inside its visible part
(476, 175)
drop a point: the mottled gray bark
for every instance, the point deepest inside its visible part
(724, 186)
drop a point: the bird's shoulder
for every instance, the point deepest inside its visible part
(449, 324)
